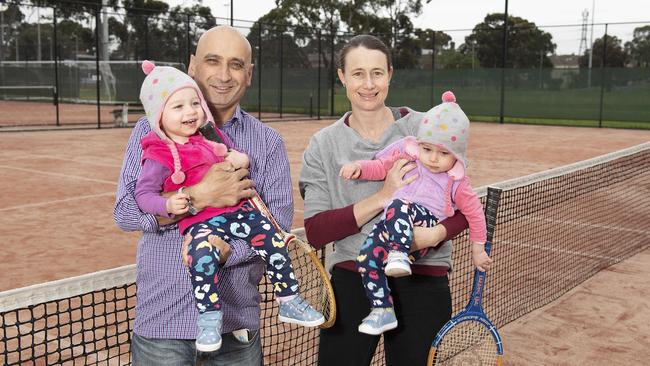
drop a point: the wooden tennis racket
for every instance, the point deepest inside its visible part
(315, 285)
(470, 338)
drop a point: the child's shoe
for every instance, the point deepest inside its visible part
(298, 311)
(398, 264)
(378, 321)
(209, 338)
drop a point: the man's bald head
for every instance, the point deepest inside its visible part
(222, 67)
(224, 34)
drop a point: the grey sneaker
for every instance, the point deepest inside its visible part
(398, 264)
(209, 338)
(298, 311)
(378, 321)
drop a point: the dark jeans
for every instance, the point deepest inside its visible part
(182, 352)
(422, 306)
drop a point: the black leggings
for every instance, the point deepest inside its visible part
(422, 306)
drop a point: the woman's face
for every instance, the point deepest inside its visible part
(366, 78)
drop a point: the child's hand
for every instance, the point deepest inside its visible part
(350, 171)
(479, 257)
(237, 159)
(177, 204)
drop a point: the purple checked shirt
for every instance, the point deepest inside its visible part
(165, 305)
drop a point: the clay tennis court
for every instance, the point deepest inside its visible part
(56, 219)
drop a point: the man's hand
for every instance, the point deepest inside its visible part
(215, 241)
(221, 186)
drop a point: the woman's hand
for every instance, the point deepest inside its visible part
(395, 179)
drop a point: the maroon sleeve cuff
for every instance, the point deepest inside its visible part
(454, 225)
(331, 225)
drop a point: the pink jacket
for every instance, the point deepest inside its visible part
(196, 157)
(438, 192)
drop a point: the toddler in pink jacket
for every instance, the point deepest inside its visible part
(441, 186)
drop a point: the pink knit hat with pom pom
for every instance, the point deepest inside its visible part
(159, 84)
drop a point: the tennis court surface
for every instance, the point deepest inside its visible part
(57, 222)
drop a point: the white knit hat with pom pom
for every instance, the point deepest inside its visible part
(159, 84)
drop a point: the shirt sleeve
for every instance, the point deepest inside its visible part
(469, 204)
(126, 213)
(149, 186)
(340, 222)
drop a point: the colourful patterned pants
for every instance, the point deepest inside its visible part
(394, 232)
(247, 224)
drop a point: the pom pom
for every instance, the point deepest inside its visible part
(178, 177)
(147, 66)
(448, 97)
(220, 150)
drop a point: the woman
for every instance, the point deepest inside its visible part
(344, 212)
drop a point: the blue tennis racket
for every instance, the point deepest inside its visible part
(470, 338)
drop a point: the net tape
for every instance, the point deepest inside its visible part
(555, 229)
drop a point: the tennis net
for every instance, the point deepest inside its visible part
(554, 230)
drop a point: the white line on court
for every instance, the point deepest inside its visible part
(45, 203)
(60, 175)
(38, 156)
(578, 223)
(555, 250)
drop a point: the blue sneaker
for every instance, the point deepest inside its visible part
(209, 338)
(378, 321)
(298, 311)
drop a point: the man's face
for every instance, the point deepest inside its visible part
(222, 68)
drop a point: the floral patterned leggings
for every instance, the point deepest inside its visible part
(247, 224)
(394, 232)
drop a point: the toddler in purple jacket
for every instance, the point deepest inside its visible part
(439, 152)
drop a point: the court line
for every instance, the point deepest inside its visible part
(45, 203)
(28, 156)
(578, 223)
(59, 175)
(556, 250)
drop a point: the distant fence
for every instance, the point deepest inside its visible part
(294, 74)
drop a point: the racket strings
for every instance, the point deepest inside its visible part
(467, 343)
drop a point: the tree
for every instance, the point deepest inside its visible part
(639, 48)
(616, 55)
(526, 43)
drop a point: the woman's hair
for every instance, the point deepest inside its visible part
(366, 41)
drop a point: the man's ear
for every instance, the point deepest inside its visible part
(250, 74)
(191, 69)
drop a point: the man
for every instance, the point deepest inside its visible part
(165, 322)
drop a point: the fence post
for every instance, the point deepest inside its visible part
(433, 67)
(188, 51)
(504, 56)
(56, 65)
(281, 67)
(259, 72)
(318, 88)
(333, 71)
(146, 38)
(602, 78)
(97, 73)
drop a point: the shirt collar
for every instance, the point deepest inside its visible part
(236, 117)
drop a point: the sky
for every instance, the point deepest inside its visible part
(465, 14)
